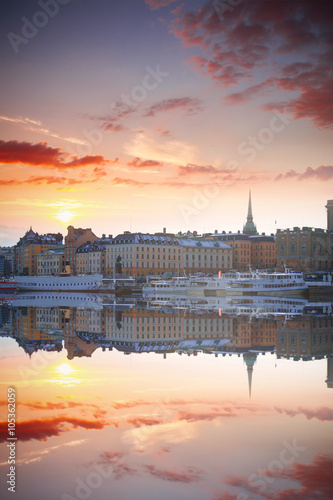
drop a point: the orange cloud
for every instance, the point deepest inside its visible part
(42, 155)
(138, 163)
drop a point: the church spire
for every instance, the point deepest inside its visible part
(250, 228)
(249, 212)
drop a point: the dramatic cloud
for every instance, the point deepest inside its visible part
(187, 104)
(265, 47)
(138, 163)
(43, 155)
(45, 428)
(323, 413)
(322, 173)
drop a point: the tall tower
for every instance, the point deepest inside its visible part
(249, 228)
(329, 207)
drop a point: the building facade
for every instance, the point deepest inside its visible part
(241, 249)
(304, 249)
(29, 247)
(73, 240)
(91, 257)
(51, 262)
(263, 252)
(143, 254)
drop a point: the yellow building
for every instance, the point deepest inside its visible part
(143, 254)
(29, 247)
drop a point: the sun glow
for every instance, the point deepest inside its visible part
(65, 216)
(65, 369)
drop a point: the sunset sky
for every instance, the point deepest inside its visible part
(139, 115)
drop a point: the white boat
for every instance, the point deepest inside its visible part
(61, 283)
(264, 283)
(173, 285)
(232, 283)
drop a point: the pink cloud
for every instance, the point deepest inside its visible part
(156, 4)
(248, 43)
(322, 173)
(189, 105)
(188, 475)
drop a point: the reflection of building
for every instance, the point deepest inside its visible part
(329, 380)
(305, 338)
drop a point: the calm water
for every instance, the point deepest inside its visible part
(168, 399)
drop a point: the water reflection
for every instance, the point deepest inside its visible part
(292, 328)
(210, 398)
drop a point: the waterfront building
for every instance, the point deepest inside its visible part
(329, 208)
(241, 248)
(29, 247)
(51, 262)
(306, 249)
(7, 260)
(91, 257)
(263, 251)
(74, 239)
(155, 254)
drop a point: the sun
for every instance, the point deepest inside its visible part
(65, 369)
(65, 216)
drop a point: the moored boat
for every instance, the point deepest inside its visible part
(67, 283)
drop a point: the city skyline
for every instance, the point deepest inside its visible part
(140, 115)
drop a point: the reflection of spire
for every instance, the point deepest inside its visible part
(250, 359)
